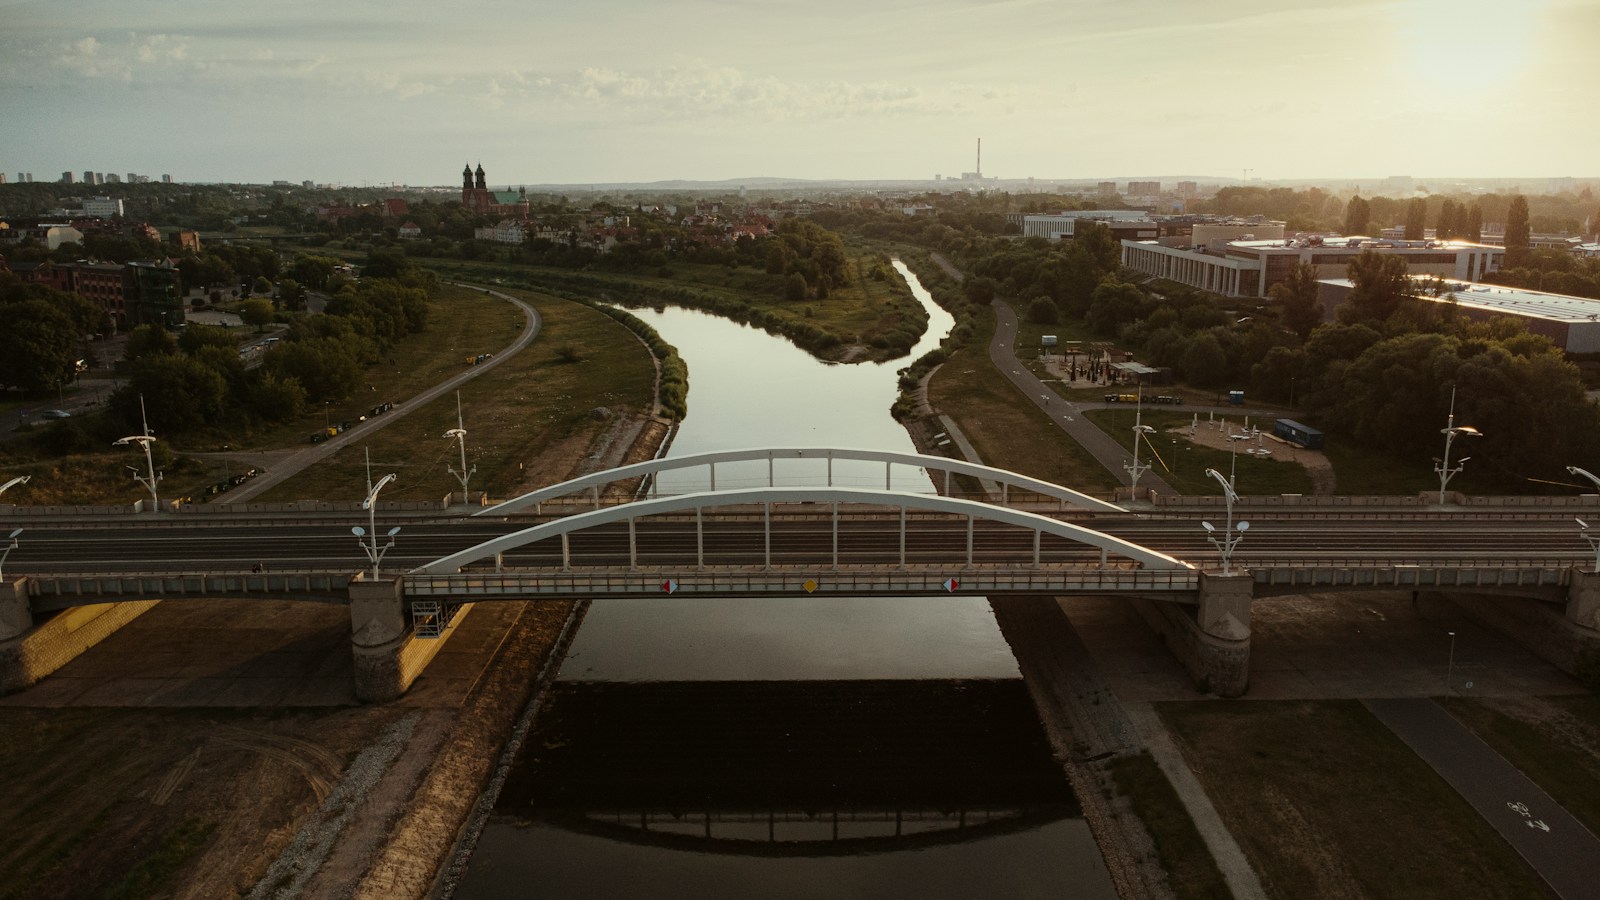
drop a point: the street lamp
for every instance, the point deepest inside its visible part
(1140, 431)
(460, 434)
(1593, 539)
(1571, 470)
(1450, 669)
(1451, 429)
(1230, 537)
(12, 546)
(370, 546)
(144, 440)
(20, 479)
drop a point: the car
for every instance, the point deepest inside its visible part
(55, 414)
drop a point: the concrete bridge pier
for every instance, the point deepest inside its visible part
(31, 649)
(1566, 634)
(1211, 639)
(388, 654)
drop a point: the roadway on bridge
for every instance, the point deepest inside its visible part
(800, 535)
(304, 459)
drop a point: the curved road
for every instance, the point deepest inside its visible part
(310, 456)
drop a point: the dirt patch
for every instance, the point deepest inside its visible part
(1215, 434)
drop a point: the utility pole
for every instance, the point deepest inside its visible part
(460, 434)
(152, 478)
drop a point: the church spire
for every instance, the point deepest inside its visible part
(481, 185)
(466, 177)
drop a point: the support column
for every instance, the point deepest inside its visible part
(388, 654)
(1583, 599)
(16, 616)
(1212, 638)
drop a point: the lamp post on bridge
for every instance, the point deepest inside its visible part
(1592, 539)
(370, 534)
(144, 440)
(9, 547)
(1451, 429)
(20, 479)
(1230, 539)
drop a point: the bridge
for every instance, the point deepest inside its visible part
(616, 533)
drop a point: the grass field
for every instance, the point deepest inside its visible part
(1185, 858)
(1007, 430)
(1327, 802)
(512, 413)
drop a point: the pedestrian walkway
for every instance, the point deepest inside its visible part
(1564, 853)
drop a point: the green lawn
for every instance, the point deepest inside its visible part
(1184, 855)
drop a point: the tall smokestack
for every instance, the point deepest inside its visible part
(979, 169)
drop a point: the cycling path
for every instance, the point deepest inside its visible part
(1564, 853)
(300, 460)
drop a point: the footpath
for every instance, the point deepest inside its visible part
(1564, 853)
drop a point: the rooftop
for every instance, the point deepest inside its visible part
(1500, 298)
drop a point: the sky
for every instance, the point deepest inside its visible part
(606, 91)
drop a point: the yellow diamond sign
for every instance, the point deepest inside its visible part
(810, 585)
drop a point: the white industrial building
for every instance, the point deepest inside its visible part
(1250, 268)
(1571, 323)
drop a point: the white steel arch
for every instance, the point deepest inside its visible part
(765, 497)
(888, 457)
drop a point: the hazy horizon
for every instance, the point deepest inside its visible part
(618, 93)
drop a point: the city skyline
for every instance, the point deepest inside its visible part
(404, 92)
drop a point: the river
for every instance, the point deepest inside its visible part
(787, 748)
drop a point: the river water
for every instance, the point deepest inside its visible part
(787, 747)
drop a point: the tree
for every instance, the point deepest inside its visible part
(1302, 309)
(1042, 311)
(795, 287)
(981, 290)
(148, 340)
(1518, 234)
(1357, 214)
(1416, 219)
(1380, 282)
(292, 294)
(256, 313)
(261, 285)
(1474, 229)
(38, 345)
(1445, 229)
(1205, 363)
(180, 392)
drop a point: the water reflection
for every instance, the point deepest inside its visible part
(893, 788)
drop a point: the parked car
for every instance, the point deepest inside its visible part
(55, 414)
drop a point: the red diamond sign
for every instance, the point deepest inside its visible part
(670, 585)
(950, 584)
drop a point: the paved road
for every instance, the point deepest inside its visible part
(1558, 847)
(1067, 415)
(316, 453)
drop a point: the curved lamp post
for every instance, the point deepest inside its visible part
(370, 533)
(460, 434)
(1571, 470)
(1230, 536)
(23, 479)
(144, 440)
(1451, 429)
(9, 547)
(1593, 539)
